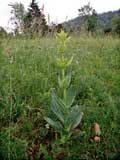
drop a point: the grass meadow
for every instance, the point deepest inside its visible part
(28, 72)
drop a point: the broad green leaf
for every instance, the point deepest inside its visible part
(74, 117)
(77, 120)
(58, 108)
(64, 83)
(67, 80)
(56, 124)
(70, 97)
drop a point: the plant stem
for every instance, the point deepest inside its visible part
(64, 89)
(10, 86)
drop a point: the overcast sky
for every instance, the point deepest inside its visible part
(59, 10)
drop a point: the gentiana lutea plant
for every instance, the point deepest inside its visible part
(68, 116)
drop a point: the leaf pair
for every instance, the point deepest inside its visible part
(64, 63)
(64, 83)
(67, 118)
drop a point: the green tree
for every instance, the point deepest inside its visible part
(18, 13)
(31, 22)
(116, 24)
(35, 21)
(89, 17)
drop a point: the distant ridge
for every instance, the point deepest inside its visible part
(104, 20)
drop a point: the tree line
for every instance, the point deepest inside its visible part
(32, 22)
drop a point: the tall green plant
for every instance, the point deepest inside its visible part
(68, 116)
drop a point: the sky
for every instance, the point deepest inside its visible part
(59, 10)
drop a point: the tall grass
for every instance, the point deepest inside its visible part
(31, 66)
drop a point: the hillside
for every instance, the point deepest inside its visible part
(104, 20)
